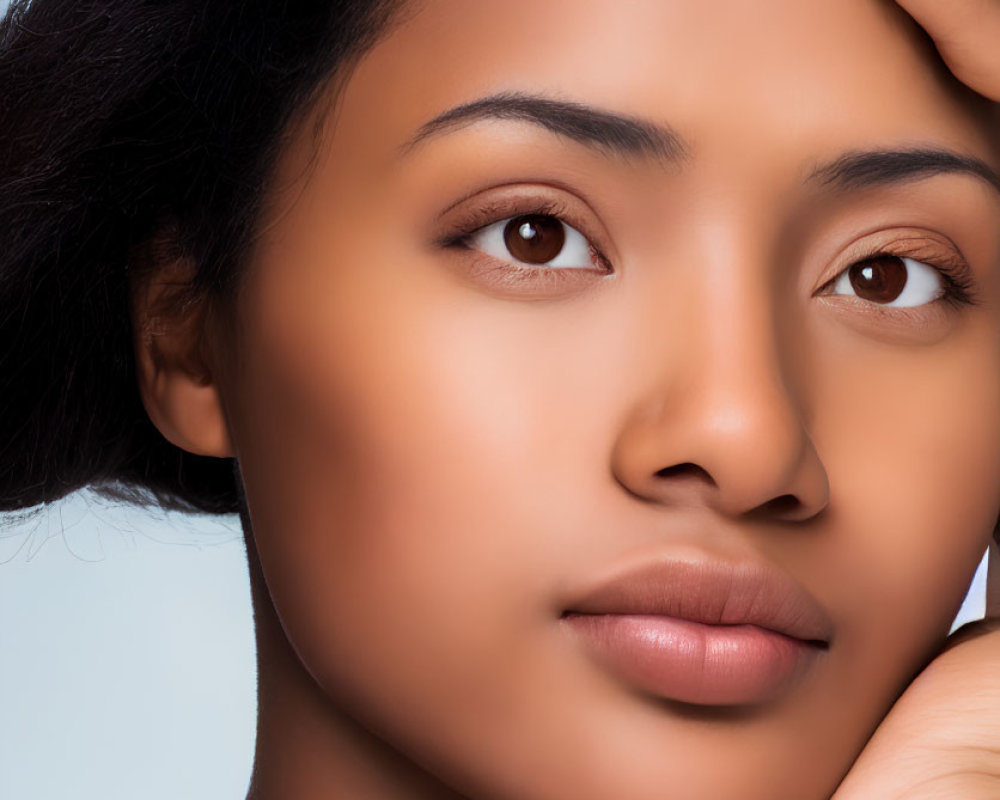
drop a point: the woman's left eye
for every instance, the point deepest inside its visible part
(892, 281)
(540, 240)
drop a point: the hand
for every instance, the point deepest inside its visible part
(942, 737)
(967, 35)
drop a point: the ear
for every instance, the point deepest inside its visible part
(176, 382)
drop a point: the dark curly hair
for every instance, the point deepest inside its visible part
(114, 116)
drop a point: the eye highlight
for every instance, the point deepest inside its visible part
(539, 240)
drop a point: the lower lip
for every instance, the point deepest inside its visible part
(692, 662)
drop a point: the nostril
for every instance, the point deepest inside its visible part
(782, 506)
(686, 469)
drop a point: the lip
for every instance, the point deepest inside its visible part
(702, 631)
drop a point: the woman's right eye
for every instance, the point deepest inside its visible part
(537, 240)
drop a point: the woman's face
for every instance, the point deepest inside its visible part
(753, 380)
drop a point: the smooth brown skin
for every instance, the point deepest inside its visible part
(435, 460)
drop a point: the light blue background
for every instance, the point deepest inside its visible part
(126, 656)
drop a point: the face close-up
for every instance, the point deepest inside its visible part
(615, 389)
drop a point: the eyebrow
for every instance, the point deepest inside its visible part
(600, 129)
(864, 169)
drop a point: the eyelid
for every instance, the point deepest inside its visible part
(475, 219)
(472, 215)
(960, 286)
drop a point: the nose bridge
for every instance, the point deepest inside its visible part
(746, 414)
(730, 405)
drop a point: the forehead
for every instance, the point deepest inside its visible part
(731, 75)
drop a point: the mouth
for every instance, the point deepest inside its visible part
(702, 632)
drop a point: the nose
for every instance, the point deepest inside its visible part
(722, 422)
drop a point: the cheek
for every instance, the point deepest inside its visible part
(912, 444)
(383, 443)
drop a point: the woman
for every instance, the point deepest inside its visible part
(612, 390)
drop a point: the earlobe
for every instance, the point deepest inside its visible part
(178, 388)
(185, 408)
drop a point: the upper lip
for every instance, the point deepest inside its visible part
(712, 591)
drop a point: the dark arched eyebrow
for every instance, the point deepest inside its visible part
(863, 169)
(608, 131)
(628, 136)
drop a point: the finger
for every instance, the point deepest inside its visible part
(938, 740)
(967, 35)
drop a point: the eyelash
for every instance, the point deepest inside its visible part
(958, 286)
(959, 289)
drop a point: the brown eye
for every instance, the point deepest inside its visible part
(880, 279)
(534, 238)
(891, 281)
(541, 240)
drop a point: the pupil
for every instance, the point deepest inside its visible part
(880, 279)
(534, 238)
